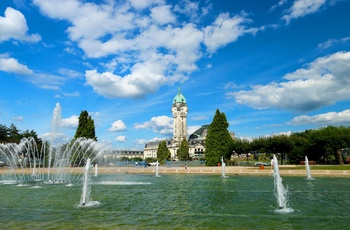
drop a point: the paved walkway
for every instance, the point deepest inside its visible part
(230, 170)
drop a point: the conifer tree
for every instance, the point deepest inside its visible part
(86, 127)
(218, 140)
(163, 153)
(183, 151)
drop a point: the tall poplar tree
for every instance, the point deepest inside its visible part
(218, 140)
(163, 152)
(183, 152)
(86, 126)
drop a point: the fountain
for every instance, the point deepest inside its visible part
(33, 163)
(55, 125)
(281, 193)
(157, 170)
(308, 172)
(96, 170)
(85, 197)
(223, 168)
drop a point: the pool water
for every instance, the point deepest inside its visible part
(128, 201)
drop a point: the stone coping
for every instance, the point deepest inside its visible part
(229, 170)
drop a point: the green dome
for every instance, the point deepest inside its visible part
(179, 98)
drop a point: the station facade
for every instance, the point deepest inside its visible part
(196, 140)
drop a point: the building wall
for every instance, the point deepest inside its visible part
(179, 111)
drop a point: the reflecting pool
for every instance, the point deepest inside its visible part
(130, 201)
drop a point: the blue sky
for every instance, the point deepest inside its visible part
(271, 66)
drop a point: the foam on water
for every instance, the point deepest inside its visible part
(121, 183)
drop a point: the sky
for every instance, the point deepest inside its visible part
(273, 67)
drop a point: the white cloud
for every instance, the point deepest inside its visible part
(331, 42)
(331, 118)
(188, 8)
(18, 118)
(56, 138)
(280, 3)
(142, 40)
(46, 81)
(300, 8)
(162, 15)
(70, 73)
(74, 94)
(11, 65)
(42, 80)
(225, 30)
(140, 5)
(192, 129)
(141, 141)
(121, 139)
(70, 122)
(323, 82)
(117, 126)
(134, 85)
(14, 26)
(160, 124)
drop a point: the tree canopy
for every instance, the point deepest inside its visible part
(183, 151)
(322, 145)
(218, 141)
(86, 126)
(13, 135)
(163, 152)
(86, 129)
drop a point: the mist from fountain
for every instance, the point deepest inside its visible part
(308, 171)
(281, 193)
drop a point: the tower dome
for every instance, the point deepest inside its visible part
(179, 98)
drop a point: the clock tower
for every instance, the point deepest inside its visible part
(179, 111)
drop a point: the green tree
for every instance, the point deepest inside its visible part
(300, 145)
(280, 144)
(86, 127)
(218, 140)
(13, 134)
(183, 152)
(3, 133)
(242, 146)
(329, 141)
(259, 145)
(163, 152)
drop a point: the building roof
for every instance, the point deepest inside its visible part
(179, 98)
(199, 133)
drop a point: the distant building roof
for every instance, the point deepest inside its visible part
(199, 133)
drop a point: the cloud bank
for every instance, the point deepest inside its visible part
(323, 82)
(144, 40)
